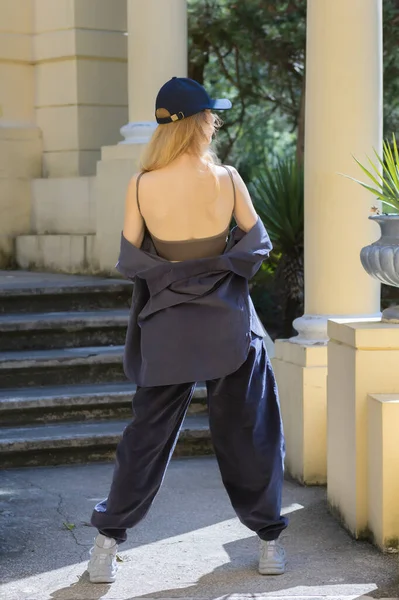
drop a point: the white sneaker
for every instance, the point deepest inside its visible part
(102, 565)
(272, 559)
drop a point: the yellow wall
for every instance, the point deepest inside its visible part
(20, 139)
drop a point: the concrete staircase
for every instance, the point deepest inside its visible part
(63, 395)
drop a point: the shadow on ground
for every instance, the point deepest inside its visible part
(190, 546)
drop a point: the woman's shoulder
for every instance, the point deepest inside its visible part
(223, 169)
(136, 180)
(232, 172)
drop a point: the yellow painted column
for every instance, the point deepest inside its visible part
(79, 102)
(157, 51)
(20, 138)
(80, 55)
(16, 70)
(343, 119)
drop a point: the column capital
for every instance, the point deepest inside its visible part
(312, 329)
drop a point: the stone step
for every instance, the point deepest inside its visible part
(39, 331)
(86, 442)
(24, 292)
(67, 366)
(76, 403)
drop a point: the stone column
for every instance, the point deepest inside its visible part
(80, 53)
(343, 119)
(157, 50)
(20, 138)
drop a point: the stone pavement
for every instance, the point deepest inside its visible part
(190, 546)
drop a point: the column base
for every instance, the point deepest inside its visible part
(21, 148)
(138, 132)
(301, 372)
(117, 166)
(391, 315)
(7, 252)
(312, 329)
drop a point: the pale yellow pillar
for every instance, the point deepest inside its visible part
(78, 63)
(343, 118)
(16, 70)
(20, 138)
(80, 55)
(157, 50)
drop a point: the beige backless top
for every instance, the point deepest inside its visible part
(180, 250)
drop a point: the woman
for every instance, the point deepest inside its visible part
(192, 320)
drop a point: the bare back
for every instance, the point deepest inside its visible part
(187, 201)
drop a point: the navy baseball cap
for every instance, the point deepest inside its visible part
(183, 97)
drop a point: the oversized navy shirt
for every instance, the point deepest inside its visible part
(191, 320)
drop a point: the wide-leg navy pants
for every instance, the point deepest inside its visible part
(247, 435)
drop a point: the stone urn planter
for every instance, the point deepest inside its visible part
(381, 259)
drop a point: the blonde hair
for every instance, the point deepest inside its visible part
(171, 140)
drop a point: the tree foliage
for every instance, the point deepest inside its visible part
(278, 194)
(391, 67)
(254, 51)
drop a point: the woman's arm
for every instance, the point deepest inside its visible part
(244, 212)
(133, 226)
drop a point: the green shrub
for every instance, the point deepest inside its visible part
(278, 194)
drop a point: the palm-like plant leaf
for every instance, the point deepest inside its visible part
(386, 177)
(383, 169)
(278, 197)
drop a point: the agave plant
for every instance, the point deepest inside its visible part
(384, 175)
(278, 194)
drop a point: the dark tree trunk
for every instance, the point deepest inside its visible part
(300, 145)
(196, 69)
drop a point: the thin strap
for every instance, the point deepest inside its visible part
(137, 191)
(232, 181)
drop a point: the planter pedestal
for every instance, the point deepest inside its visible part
(363, 360)
(301, 372)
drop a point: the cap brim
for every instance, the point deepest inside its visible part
(221, 104)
